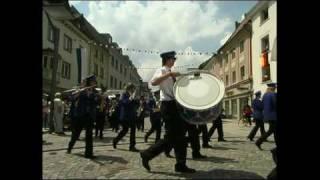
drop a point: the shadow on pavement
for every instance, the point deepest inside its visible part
(215, 174)
(215, 159)
(223, 148)
(102, 158)
(104, 140)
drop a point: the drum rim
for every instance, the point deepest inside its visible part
(202, 72)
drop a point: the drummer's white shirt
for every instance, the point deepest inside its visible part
(166, 86)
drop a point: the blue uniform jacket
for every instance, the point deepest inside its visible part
(127, 108)
(257, 107)
(269, 101)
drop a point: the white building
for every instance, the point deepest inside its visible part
(264, 37)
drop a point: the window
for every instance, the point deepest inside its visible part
(67, 43)
(125, 71)
(264, 15)
(95, 70)
(264, 59)
(115, 83)
(101, 72)
(265, 44)
(51, 63)
(242, 72)
(227, 79)
(112, 61)
(120, 84)
(234, 107)
(111, 81)
(50, 33)
(96, 54)
(45, 59)
(227, 59)
(120, 68)
(116, 64)
(66, 68)
(227, 109)
(233, 53)
(101, 59)
(233, 76)
(241, 46)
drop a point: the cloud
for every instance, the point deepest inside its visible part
(160, 26)
(226, 37)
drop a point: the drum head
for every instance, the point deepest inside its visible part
(199, 92)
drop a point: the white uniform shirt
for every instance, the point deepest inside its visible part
(166, 86)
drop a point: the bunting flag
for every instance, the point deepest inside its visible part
(264, 59)
(82, 65)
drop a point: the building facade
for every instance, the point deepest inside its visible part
(264, 40)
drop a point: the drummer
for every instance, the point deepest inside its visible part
(174, 125)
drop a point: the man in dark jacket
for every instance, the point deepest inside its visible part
(86, 112)
(127, 118)
(269, 101)
(257, 107)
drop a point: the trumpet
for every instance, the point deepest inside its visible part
(83, 89)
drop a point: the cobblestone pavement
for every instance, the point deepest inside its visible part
(238, 158)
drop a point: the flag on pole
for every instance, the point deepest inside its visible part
(82, 64)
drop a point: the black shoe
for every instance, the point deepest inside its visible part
(68, 151)
(114, 144)
(184, 169)
(206, 146)
(90, 156)
(259, 146)
(198, 156)
(168, 155)
(145, 161)
(223, 140)
(134, 149)
(251, 139)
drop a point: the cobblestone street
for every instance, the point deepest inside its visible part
(238, 158)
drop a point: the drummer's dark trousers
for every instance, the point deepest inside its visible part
(174, 135)
(205, 135)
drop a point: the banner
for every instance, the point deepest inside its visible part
(82, 64)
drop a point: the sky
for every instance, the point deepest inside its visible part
(159, 26)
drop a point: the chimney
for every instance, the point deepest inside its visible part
(237, 24)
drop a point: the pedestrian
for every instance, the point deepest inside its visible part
(45, 111)
(58, 113)
(269, 101)
(257, 107)
(86, 111)
(247, 112)
(155, 117)
(217, 124)
(127, 118)
(175, 126)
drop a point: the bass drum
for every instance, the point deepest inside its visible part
(199, 95)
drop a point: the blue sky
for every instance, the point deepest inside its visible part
(183, 26)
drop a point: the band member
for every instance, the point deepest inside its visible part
(257, 107)
(101, 115)
(175, 126)
(269, 101)
(155, 117)
(86, 113)
(142, 111)
(217, 124)
(128, 107)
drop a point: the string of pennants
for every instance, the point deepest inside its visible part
(190, 53)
